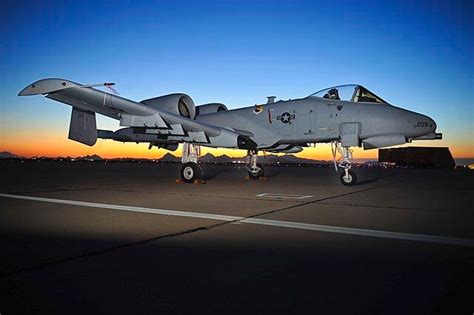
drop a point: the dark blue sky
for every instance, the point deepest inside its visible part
(417, 55)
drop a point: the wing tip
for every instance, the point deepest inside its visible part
(45, 86)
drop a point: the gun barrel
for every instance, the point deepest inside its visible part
(430, 136)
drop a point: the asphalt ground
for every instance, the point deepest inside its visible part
(125, 238)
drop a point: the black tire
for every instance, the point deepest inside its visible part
(348, 181)
(190, 172)
(258, 174)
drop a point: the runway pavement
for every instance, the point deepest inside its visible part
(86, 237)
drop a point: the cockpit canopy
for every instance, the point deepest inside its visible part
(350, 93)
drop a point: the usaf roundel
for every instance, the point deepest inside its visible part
(286, 118)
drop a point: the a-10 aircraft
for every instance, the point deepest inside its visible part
(345, 116)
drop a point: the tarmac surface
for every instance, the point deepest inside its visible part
(87, 237)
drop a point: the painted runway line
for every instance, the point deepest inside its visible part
(256, 221)
(282, 196)
(127, 208)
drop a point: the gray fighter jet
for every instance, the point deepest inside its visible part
(345, 116)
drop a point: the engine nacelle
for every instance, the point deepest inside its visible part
(210, 108)
(383, 141)
(178, 104)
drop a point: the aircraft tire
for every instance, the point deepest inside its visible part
(258, 174)
(190, 172)
(348, 181)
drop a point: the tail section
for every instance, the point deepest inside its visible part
(83, 127)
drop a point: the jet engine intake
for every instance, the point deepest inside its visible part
(210, 108)
(178, 104)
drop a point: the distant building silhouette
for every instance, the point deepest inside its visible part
(421, 157)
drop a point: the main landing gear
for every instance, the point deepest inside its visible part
(254, 169)
(348, 177)
(190, 171)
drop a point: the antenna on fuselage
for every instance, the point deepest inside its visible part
(271, 99)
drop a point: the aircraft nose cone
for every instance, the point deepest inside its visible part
(424, 124)
(430, 123)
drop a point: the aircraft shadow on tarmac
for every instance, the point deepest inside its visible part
(366, 181)
(372, 179)
(209, 173)
(212, 172)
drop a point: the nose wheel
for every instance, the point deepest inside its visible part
(348, 178)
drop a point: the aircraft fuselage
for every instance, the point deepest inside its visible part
(312, 120)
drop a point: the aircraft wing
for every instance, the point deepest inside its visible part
(143, 121)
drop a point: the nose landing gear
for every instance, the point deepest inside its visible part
(348, 177)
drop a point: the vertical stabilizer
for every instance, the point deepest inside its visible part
(83, 127)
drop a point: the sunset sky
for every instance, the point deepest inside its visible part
(416, 55)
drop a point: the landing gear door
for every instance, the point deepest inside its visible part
(349, 133)
(83, 127)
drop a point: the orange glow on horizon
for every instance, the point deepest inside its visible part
(55, 147)
(55, 143)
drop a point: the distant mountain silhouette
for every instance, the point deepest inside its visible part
(222, 159)
(209, 158)
(168, 157)
(93, 157)
(9, 155)
(288, 159)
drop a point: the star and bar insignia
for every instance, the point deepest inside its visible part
(286, 118)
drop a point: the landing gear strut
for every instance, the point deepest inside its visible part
(348, 177)
(190, 171)
(254, 169)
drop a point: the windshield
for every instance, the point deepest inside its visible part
(350, 93)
